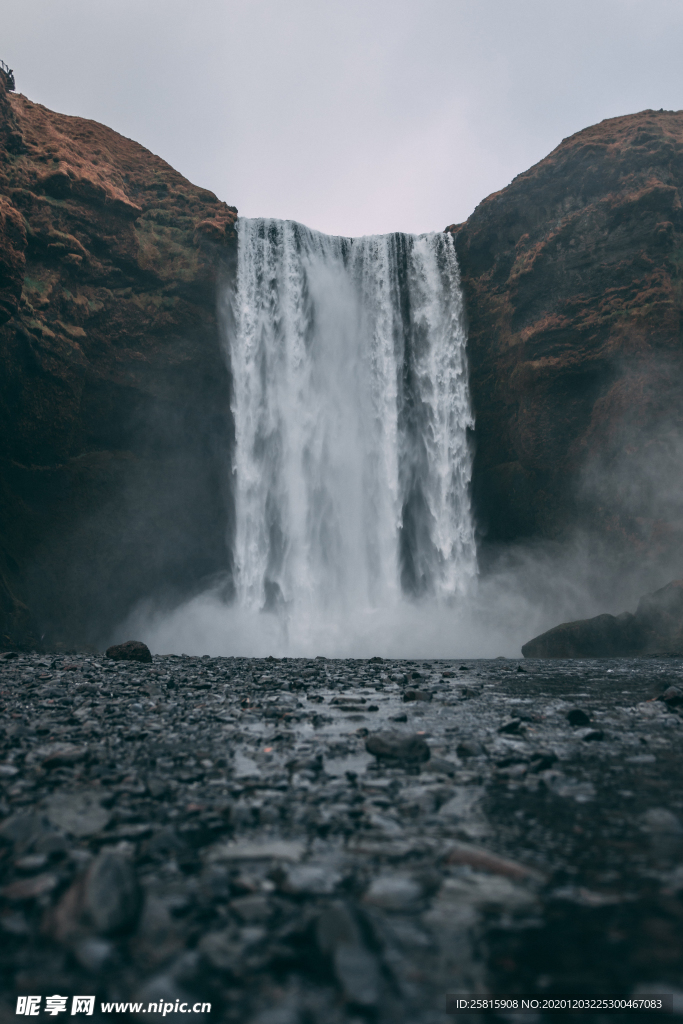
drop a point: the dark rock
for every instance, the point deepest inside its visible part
(394, 892)
(605, 636)
(438, 764)
(31, 862)
(64, 755)
(416, 695)
(132, 650)
(29, 888)
(357, 972)
(578, 717)
(656, 627)
(483, 860)
(309, 879)
(541, 761)
(514, 725)
(106, 900)
(79, 814)
(336, 925)
(590, 735)
(355, 967)
(469, 748)
(12, 259)
(391, 746)
(93, 953)
(22, 830)
(256, 909)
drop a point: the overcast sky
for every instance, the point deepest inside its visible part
(352, 116)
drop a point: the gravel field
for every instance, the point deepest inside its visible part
(336, 842)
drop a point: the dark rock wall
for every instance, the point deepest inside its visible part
(573, 286)
(115, 431)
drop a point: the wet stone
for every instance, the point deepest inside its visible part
(409, 695)
(389, 746)
(79, 814)
(578, 717)
(393, 892)
(111, 897)
(131, 650)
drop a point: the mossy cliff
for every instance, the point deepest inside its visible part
(114, 426)
(573, 280)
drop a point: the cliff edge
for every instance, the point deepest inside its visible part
(113, 390)
(573, 280)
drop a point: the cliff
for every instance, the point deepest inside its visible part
(113, 390)
(573, 286)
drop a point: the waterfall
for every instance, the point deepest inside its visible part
(351, 409)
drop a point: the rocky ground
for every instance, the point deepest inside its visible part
(233, 831)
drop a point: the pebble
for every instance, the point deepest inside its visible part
(396, 747)
(78, 814)
(409, 695)
(578, 717)
(393, 892)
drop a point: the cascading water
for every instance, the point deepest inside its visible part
(351, 411)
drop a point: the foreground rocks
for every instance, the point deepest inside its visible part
(265, 836)
(656, 628)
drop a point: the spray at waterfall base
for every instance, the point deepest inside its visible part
(352, 463)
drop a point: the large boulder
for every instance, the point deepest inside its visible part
(131, 650)
(656, 628)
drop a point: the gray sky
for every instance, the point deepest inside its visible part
(352, 116)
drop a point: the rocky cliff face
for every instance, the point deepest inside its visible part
(574, 290)
(113, 390)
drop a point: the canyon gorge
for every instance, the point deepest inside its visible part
(117, 425)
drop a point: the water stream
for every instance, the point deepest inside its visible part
(351, 469)
(351, 411)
